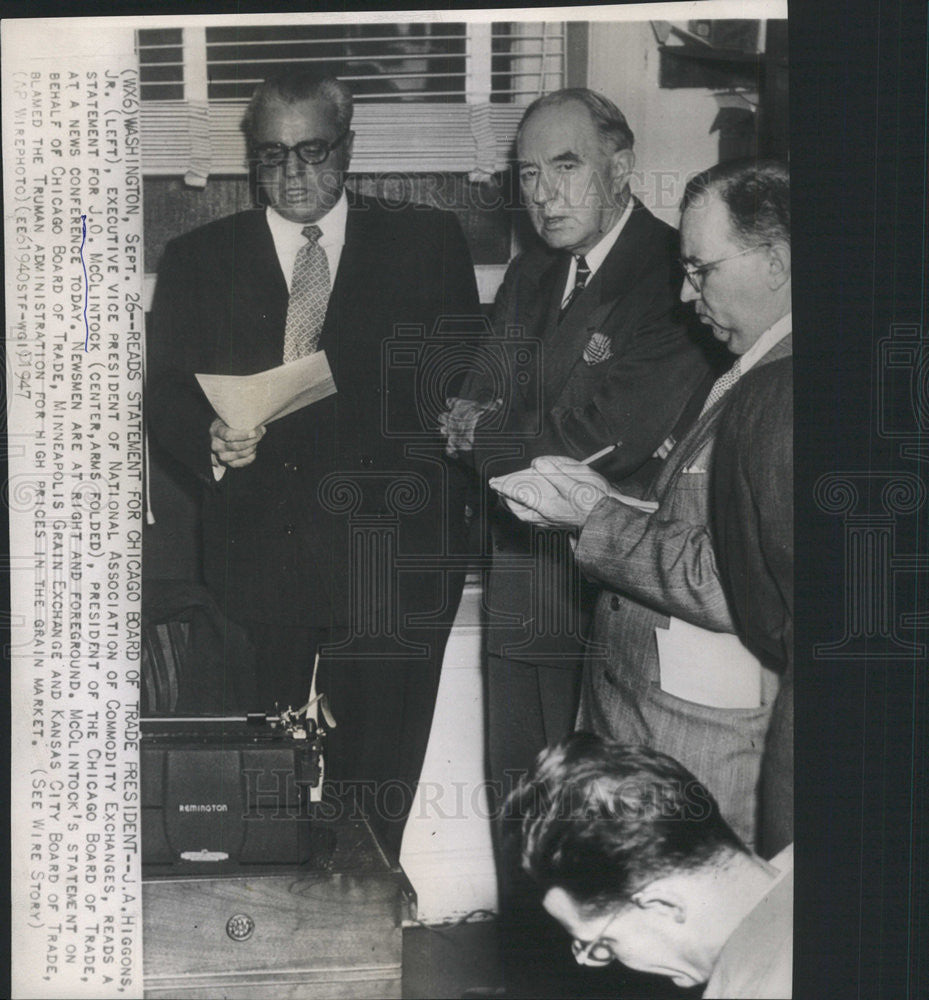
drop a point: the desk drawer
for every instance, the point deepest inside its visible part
(293, 935)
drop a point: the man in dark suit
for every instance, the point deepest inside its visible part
(588, 351)
(667, 666)
(754, 544)
(608, 362)
(322, 530)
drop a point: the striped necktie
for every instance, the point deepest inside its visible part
(309, 297)
(723, 384)
(582, 276)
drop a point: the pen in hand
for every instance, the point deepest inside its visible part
(597, 455)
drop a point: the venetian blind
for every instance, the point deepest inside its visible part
(429, 97)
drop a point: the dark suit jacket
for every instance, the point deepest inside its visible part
(753, 539)
(277, 533)
(558, 404)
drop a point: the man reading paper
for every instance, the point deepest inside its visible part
(305, 520)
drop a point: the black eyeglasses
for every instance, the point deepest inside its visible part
(310, 151)
(696, 274)
(597, 952)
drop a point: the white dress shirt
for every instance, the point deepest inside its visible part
(288, 238)
(598, 254)
(773, 335)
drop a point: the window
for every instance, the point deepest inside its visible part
(429, 96)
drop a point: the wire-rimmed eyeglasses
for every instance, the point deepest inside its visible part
(696, 274)
(597, 951)
(310, 151)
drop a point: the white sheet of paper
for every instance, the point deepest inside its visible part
(246, 401)
(708, 668)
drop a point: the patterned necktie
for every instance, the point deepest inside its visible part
(581, 278)
(309, 297)
(723, 384)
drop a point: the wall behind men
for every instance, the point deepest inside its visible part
(671, 127)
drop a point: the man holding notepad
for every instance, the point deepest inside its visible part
(689, 641)
(306, 517)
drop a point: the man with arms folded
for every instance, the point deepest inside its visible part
(610, 362)
(665, 667)
(633, 859)
(318, 270)
(614, 365)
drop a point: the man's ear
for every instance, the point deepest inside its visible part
(662, 901)
(622, 163)
(778, 265)
(348, 145)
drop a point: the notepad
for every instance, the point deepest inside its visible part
(527, 486)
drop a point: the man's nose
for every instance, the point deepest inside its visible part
(544, 190)
(293, 165)
(688, 292)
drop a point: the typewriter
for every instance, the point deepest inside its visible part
(229, 792)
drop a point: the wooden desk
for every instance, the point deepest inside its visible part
(279, 931)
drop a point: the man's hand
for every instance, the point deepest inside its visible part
(458, 423)
(554, 492)
(233, 448)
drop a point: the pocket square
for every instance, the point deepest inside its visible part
(598, 349)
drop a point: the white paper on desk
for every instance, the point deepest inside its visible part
(709, 668)
(246, 401)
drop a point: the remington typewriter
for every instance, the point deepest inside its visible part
(221, 793)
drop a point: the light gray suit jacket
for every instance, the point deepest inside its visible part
(651, 567)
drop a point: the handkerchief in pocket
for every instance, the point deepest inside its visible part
(599, 348)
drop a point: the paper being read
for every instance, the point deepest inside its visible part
(246, 401)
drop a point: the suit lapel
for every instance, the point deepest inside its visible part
(538, 298)
(547, 299)
(696, 438)
(353, 294)
(260, 291)
(564, 342)
(690, 445)
(615, 278)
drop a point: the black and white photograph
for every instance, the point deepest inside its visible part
(408, 493)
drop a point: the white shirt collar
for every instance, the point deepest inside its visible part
(773, 335)
(598, 254)
(332, 224)
(288, 237)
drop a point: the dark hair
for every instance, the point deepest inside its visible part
(292, 86)
(610, 122)
(602, 820)
(756, 193)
